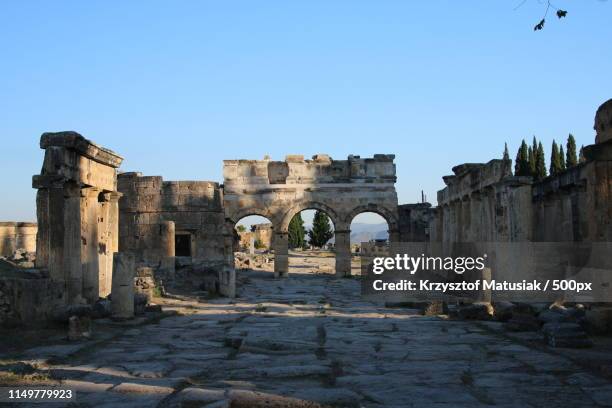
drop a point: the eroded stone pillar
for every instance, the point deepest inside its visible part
(56, 216)
(343, 252)
(72, 242)
(108, 236)
(167, 248)
(90, 256)
(281, 254)
(42, 235)
(227, 276)
(122, 304)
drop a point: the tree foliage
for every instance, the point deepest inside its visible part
(555, 159)
(540, 172)
(521, 164)
(540, 25)
(571, 160)
(562, 158)
(321, 231)
(296, 231)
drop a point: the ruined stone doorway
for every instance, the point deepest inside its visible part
(254, 243)
(369, 234)
(183, 244)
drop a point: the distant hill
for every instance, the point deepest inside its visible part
(367, 232)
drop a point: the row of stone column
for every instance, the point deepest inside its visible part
(77, 236)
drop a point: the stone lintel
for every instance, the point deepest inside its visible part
(48, 181)
(74, 141)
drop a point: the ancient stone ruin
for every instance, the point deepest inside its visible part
(77, 207)
(341, 188)
(87, 212)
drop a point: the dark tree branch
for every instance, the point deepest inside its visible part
(549, 5)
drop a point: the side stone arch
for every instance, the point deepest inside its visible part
(389, 215)
(239, 214)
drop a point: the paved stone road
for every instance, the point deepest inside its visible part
(310, 337)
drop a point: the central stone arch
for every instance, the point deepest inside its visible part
(342, 189)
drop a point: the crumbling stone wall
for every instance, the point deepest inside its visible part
(278, 190)
(485, 203)
(195, 210)
(28, 298)
(17, 235)
(77, 213)
(414, 222)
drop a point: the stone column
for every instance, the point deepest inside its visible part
(112, 226)
(122, 304)
(227, 276)
(90, 257)
(56, 215)
(42, 236)
(343, 253)
(281, 254)
(72, 243)
(167, 249)
(104, 253)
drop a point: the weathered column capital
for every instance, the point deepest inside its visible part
(112, 196)
(90, 192)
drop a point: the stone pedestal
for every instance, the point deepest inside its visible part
(281, 255)
(343, 253)
(122, 304)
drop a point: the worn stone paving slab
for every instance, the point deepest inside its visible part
(312, 338)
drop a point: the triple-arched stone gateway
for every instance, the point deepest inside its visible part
(278, 190)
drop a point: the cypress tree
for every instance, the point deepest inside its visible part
(321, 231)
(521, 166)
(572, 160)
(296, 231)
(555, 162)
(534, 147)
(581, 158)
(540, 163)
(517, 162)
(562, 158)
(531, 162)
(506, 158)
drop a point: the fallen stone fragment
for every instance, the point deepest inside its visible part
(476, 311)
(504, 310)
(79, 328)
(434, 308)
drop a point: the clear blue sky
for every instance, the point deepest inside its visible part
(176, 87)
